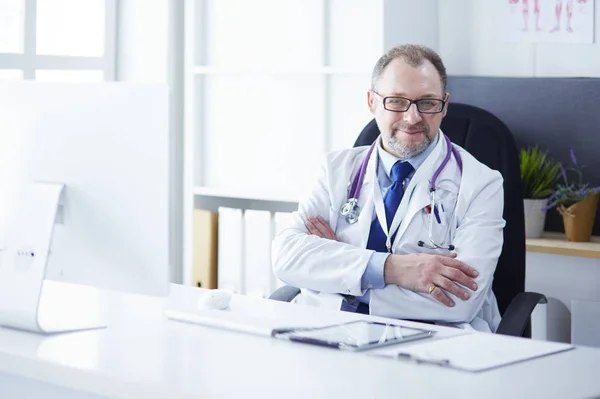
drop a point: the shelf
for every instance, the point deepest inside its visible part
(556, 243)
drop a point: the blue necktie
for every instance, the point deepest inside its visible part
(400, 172)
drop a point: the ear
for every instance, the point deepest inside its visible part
(446, 105)
(371, 101)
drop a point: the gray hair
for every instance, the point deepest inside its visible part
(413, 55)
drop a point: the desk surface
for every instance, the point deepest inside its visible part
(143, 354)
(556, 243)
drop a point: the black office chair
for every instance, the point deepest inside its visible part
(489, 140)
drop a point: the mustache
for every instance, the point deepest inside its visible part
(417, 126)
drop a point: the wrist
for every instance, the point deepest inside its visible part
(392, 269)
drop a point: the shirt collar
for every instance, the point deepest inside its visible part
(388, 160)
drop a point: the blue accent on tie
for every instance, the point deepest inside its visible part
(400, 172)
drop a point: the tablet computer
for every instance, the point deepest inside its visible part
(355, 335)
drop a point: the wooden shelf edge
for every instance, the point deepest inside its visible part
(556, 243)
(564, 251)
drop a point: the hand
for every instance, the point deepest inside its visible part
(419, 272)
(319, 227)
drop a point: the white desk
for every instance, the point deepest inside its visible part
(143, 355)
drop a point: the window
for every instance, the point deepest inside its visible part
(265, 100)
(270, 86)
(56, 75)
(12, 17)
(58, 40)
(11, 74)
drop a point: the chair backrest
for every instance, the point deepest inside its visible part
(489, 140)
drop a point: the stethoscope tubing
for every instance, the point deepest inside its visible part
(357, 183)
(362, 170)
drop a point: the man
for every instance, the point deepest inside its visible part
(385, 263)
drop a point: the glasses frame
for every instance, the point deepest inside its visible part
(411, 102)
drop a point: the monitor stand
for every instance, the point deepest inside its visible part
(27, 302)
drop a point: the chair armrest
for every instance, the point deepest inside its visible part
(285, 293)
(517, 314)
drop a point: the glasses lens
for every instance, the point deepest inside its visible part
(429, 105)
(396, 103)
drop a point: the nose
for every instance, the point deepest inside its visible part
(412, 115)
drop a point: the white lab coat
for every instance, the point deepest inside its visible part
(326, 268)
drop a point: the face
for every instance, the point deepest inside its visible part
(407, 134)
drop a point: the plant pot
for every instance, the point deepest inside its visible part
(535, 217)
(579, 218)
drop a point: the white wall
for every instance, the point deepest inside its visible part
(562, 279)
(409, 21)
(471, 43)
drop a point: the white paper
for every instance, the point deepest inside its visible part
(479, 351)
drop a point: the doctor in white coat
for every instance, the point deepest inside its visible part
(400, 259)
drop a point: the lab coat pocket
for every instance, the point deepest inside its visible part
(423, 224)
(437, 221)
(446, 205)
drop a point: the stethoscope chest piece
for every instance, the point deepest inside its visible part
(351, 210)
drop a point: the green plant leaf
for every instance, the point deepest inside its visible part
(539, 173)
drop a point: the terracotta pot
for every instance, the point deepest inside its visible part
(578, 219)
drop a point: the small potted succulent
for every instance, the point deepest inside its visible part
(539, 174)
(577, 202)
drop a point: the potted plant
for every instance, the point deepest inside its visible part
(577, 203)
(539, 174)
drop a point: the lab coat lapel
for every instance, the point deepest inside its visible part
(366, 202)
(417, 192)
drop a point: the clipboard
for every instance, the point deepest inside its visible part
(476, 352)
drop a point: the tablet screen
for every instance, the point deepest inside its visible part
(357, 335)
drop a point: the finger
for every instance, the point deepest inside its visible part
(327, 228)
(323, 227)
(450, 255)
(312, 229)
(449, 286)
(318, 228)
(459, 277)
(455, 263)
(439, 295)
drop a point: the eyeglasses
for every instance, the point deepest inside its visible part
(402, 104)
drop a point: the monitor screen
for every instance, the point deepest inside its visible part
(108, 144)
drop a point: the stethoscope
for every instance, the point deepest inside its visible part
(350, 209)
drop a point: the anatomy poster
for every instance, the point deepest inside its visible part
(548, 21)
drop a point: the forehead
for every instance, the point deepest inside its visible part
(401, 78)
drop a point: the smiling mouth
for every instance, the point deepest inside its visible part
(411, 132)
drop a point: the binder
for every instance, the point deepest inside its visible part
(475, 352)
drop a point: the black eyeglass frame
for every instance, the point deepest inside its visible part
(411, 102)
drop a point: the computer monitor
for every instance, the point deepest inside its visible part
(108, 143)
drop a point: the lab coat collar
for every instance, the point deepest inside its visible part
(366, 201)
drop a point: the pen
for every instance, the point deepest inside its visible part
(437, 214)
(418, 360)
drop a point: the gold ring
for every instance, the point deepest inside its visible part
(431, 288)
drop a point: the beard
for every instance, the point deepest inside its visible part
(408, 150)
